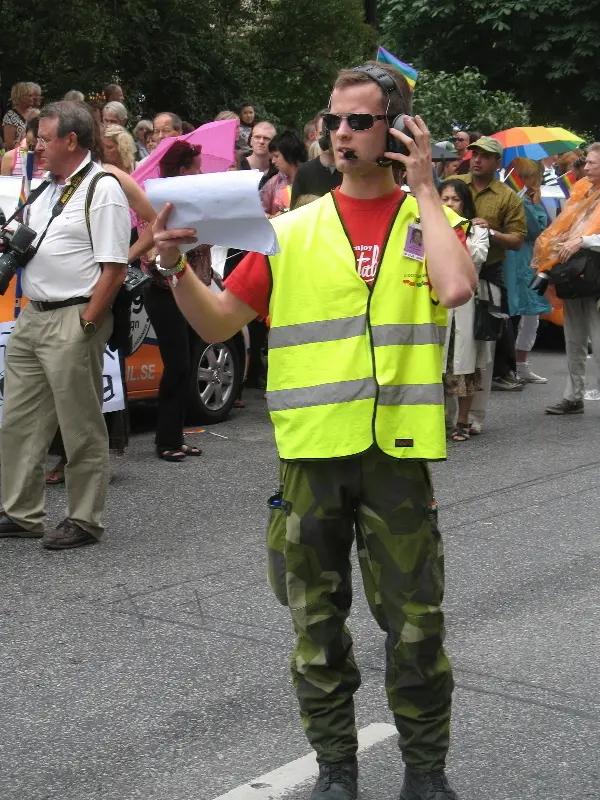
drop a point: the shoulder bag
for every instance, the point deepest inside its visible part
(577, 277)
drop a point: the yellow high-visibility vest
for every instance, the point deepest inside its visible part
(351, 366)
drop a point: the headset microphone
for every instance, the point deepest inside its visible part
(349, 155)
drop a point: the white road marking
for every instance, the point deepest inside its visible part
(280, 781)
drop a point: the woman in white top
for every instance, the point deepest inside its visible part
(464, 357)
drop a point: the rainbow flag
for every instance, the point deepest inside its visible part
(515, 181)
(566, 182)
(409, 73)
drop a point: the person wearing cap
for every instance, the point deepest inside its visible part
(501, 211)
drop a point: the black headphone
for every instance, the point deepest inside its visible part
(388, 85)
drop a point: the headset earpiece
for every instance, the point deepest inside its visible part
(325, 140)
(394, 146)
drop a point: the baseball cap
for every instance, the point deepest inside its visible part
(488, 145)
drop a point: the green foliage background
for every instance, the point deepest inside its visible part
(195, 58)
(199, 57)
(546, 52)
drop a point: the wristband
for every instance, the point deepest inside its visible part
(173, 280)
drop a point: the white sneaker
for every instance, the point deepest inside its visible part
(526, 374)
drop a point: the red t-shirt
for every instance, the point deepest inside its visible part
(367, 223)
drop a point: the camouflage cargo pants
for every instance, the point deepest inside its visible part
(387, 504)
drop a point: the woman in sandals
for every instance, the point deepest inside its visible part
(464, 357)
(176, 339)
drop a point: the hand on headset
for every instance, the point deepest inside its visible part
(418, 161)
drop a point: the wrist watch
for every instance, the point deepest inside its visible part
(167, 272)
(89, 328)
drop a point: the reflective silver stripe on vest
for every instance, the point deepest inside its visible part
(427, 333)
(323, 395)
(412, 394)
(312, 332)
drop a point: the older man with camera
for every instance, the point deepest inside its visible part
(54, 356)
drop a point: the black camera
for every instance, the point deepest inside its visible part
(18, 252)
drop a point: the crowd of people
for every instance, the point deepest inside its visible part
(504, 227)
(358, 383)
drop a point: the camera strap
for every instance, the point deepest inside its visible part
(62, 201)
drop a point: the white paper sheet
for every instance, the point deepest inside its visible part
(224, 208)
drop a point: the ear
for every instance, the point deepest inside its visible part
(73, 143)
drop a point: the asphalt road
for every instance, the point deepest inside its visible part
(154, 666)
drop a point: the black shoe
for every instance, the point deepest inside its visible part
(337, 781)
(426, 786)
(10, 528)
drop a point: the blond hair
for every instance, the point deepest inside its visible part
(305, 199)
(526, 168)
(125, 145)
(18, 91)
(226, 115)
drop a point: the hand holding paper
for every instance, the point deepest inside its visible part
(222, 208)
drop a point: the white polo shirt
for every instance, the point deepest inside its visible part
(66, 265)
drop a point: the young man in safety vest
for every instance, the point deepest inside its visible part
(355, 394)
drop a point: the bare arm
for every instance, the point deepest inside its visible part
(449, 265)
(138, 201)
(136, 196)
(6, 168)
(10, 137)
(144, 243)
(507, 241)
(104, 292)
(215, 317)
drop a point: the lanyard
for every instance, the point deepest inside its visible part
(62, 201)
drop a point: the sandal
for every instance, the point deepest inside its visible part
(190, 450)
(460, 432)
(57, 473)
(171, 455)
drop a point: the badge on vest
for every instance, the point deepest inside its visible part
(405, 443)
(414, 247)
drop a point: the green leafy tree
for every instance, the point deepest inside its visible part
(445, 100)
(194, 58)
(547, 52)
(300, 46)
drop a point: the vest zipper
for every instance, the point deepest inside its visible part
(371, 290)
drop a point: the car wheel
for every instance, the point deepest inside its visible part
(215, 382)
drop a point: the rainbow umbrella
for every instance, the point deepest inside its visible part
(536, 142)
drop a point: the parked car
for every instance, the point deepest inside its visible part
(218, 369)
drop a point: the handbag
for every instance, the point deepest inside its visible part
(486, 327)
(577, 277)
(130, 290)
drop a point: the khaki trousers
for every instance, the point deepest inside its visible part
(53, 376)
(582, 322)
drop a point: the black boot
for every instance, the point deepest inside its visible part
(426, 786)
(337, 781)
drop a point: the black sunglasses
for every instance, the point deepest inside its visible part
(356, 122)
